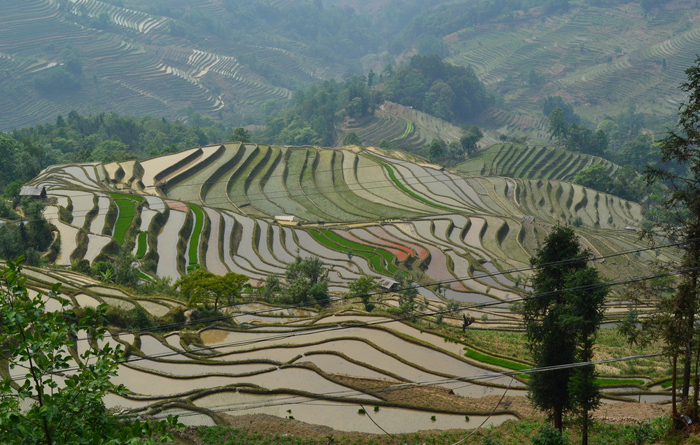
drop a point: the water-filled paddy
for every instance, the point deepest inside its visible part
(343, 416)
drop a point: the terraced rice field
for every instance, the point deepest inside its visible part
(404, 127)
(604, 59)
(361, 212)
(281, 361)
(518, 161)
(138, 67)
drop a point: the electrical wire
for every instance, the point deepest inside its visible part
(338, 395)
(392, 320)
(416, 286)
(264, 196)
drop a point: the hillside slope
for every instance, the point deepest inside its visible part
(602, 59)
(219, 207)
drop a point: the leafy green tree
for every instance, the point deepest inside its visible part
(34, 407)
(470, 138)
(544, 312)
(680, 147)
(434, 86)
(437, 149)
(306, 281)
(272, 287)
(586, 309)
(352, 139)
(12, 190)
(240, 135)
(201, 286)
(595, 177)
(558, 128)
(362, 288)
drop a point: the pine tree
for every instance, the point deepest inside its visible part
(562, 316)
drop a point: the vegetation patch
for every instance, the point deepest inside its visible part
(142, 243)
(407, 190)
(127, 212)
(379, 259)
(194, 241)
(496, 361)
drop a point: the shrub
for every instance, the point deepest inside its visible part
(548, 435)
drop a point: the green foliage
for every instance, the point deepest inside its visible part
(136, 318)
(437, 149)
(470, 137)
(311, 117)
(12, 190)
(449, 92)
(103, 137)
(549, 436)
(561, 320)
(352, 139)
(362, 288)
(626, 183)
(550, 103)
(26, 238)
(675, 315)
(119, 270)
(307, 281)
(201, 286)
(558, 127)
(56, 81)
(271, 287)
(240, 135)
(73, 412)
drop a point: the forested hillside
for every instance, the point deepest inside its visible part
(240, 62)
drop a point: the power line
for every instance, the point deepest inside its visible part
(393, 320)
(375, 293)
(265, 196)
(337, 395)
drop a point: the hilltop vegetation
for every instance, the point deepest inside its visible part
(239, 61)
(441, 89)
(105, 137)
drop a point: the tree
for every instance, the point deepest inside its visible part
(37, 342)
(681, 147)
(470, 138)
(437, 149)
(12, 190)
(362, 288)
(560, 323)
(595, 177)
(240, 135)
(201, 285)
(306, 281)
(587, 307)
(558, 127)
(352, 139)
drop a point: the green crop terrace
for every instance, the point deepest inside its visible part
(382, 216)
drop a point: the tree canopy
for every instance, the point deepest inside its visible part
(35, 343)
(431, 85)
(561, 317)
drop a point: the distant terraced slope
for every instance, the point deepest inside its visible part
(519, 161)
(134, 66)
(215, 207)
(602, 59)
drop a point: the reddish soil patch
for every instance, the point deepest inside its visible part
(396, 252)
(402, 252)
(381, 233)
(177, 205)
